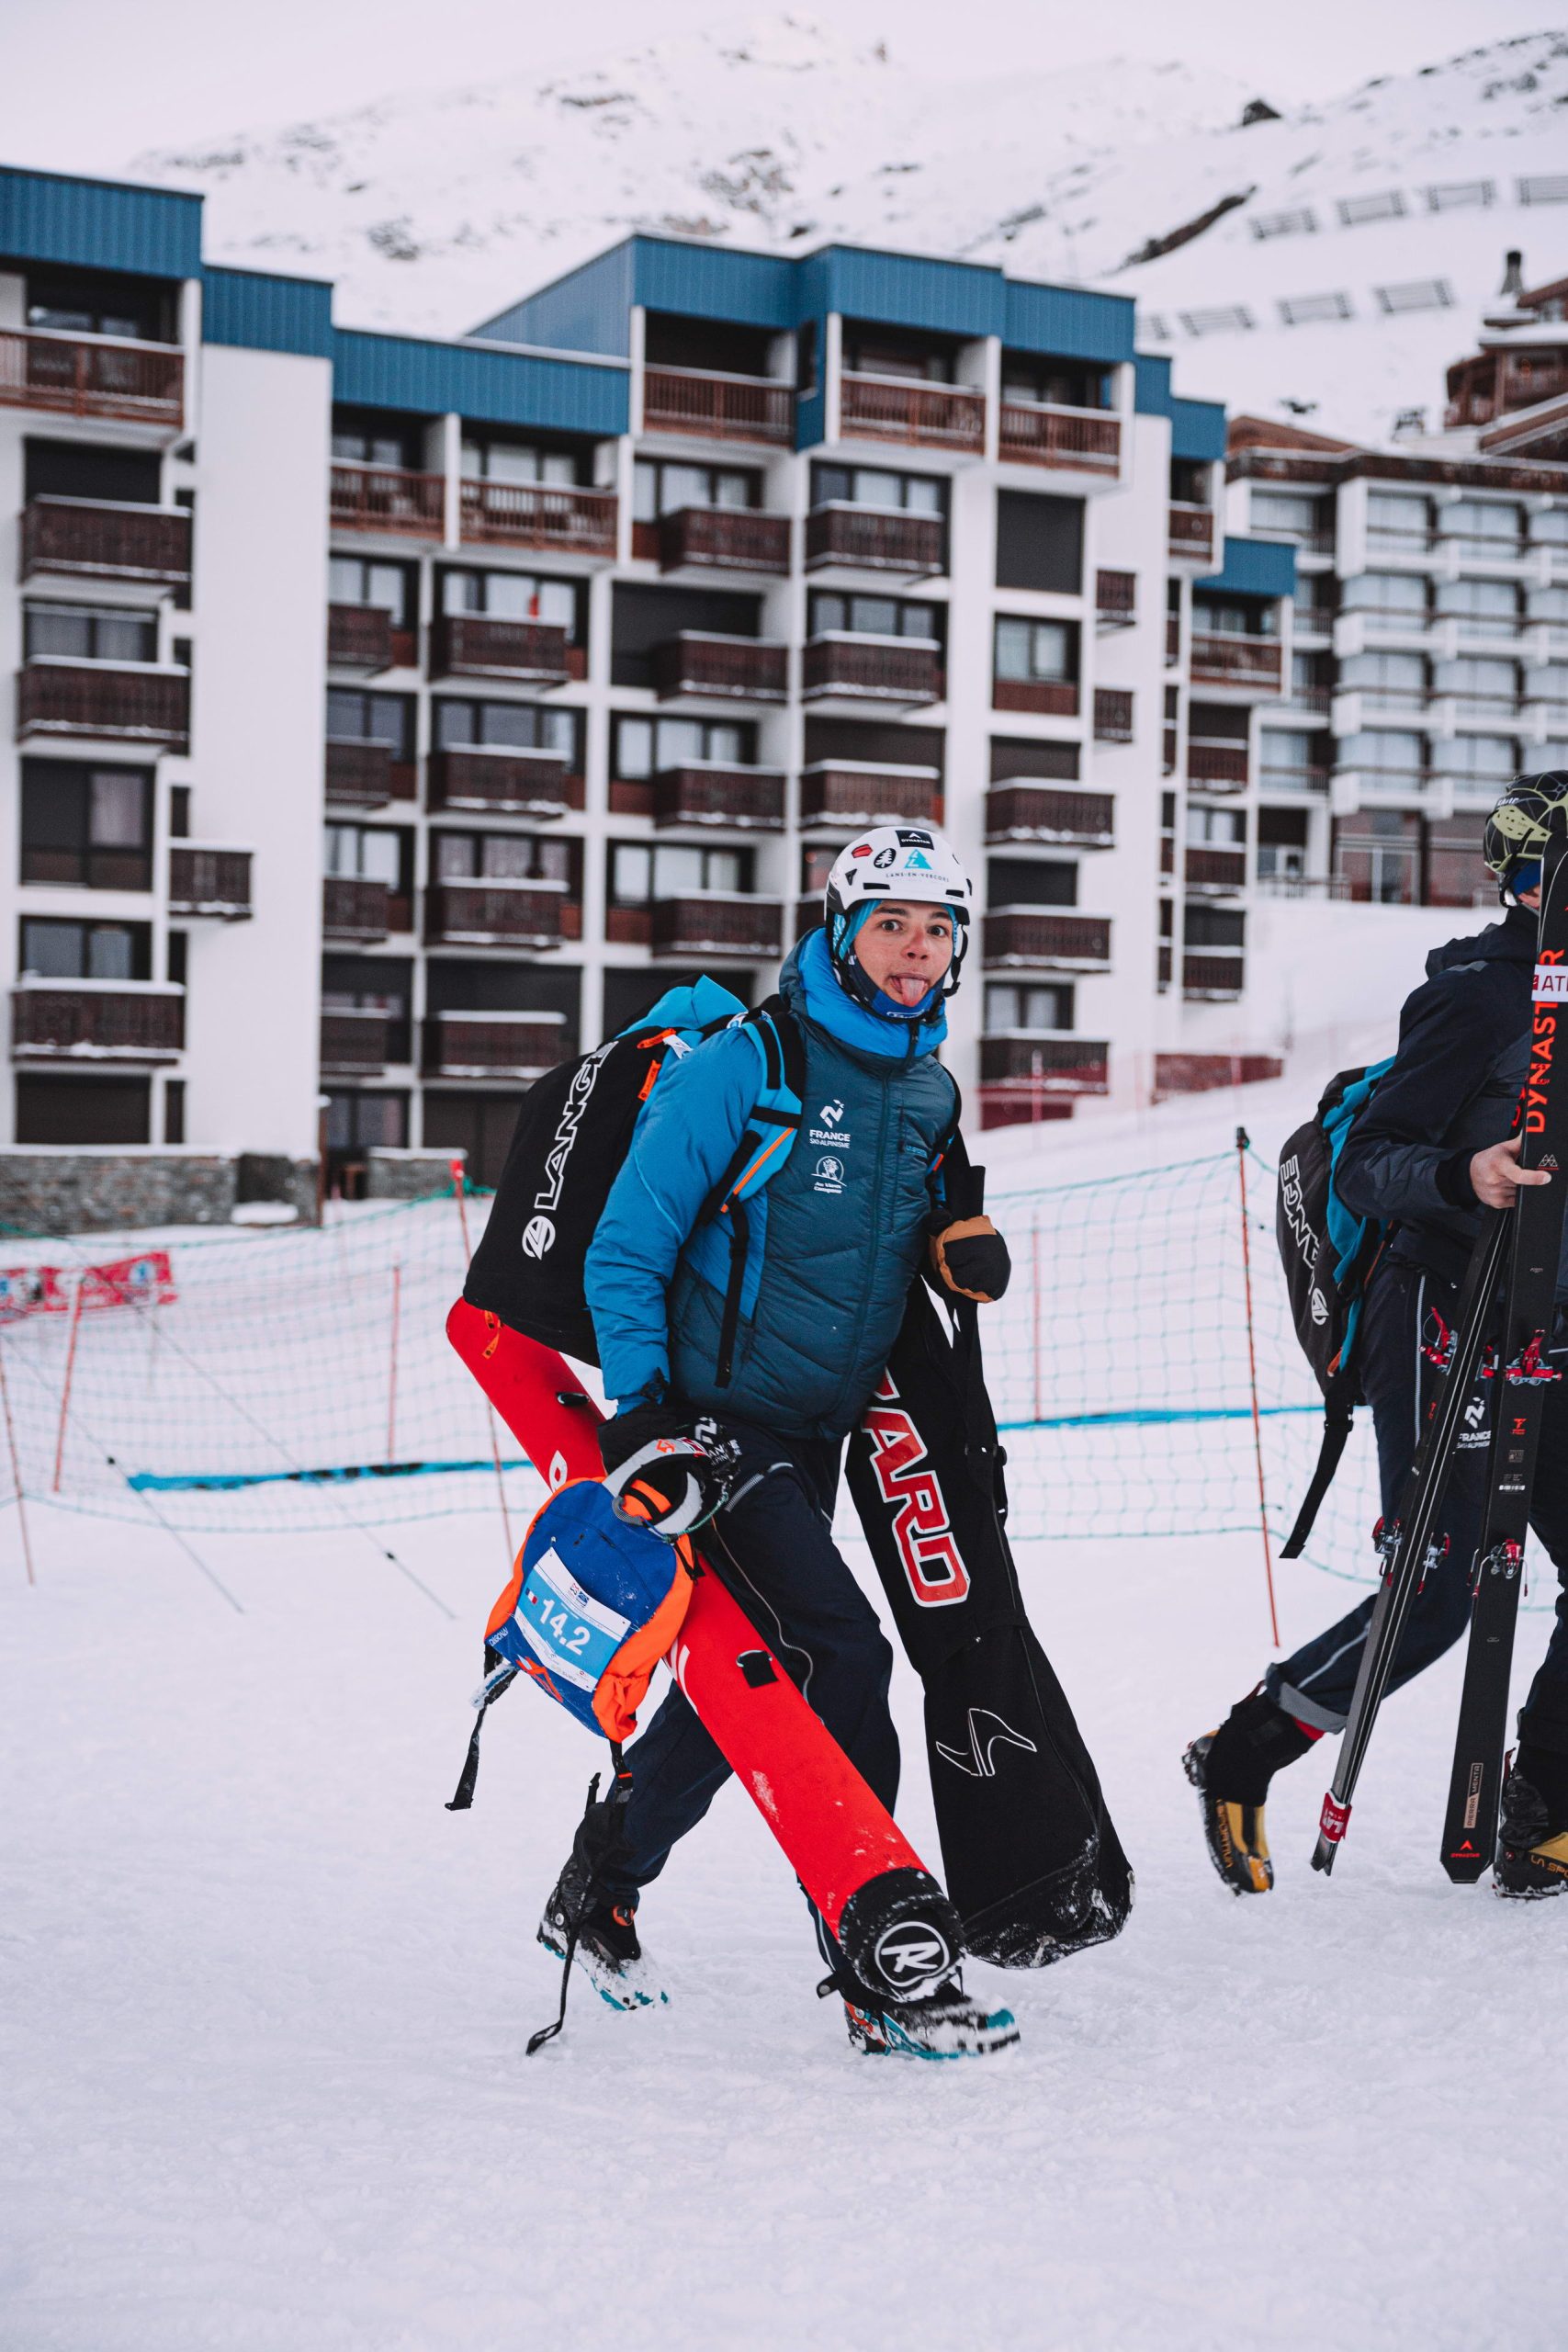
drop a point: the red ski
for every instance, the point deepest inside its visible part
(896, 1925)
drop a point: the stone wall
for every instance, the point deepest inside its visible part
(406, 1175)
(106, 1191)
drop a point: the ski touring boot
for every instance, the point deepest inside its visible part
(604, 1946)
(1533, 1853)
(942, 2023)
(1231, 1770)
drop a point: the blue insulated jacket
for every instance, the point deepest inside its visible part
(834, 1240)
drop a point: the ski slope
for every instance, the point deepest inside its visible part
(261, 2064)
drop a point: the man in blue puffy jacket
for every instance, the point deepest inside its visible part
(770, 1391)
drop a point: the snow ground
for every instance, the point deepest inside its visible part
(263, 2074)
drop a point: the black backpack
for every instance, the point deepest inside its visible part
(573, 1131)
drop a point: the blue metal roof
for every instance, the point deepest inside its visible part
(1066, 320)
(260, 312)
(1254, 568)
(489, 387)
(1197, 428)
(98, 224)
(588, 309)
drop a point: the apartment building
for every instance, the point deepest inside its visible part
(1431, 620)
(394, 716)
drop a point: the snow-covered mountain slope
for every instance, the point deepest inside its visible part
(434, 210)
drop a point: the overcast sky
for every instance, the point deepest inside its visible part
(86, 84)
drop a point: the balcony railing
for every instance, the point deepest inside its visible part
(854, 794)
(1046, 697)
(98, 539)
(367, 774)
(1216, 764)
(473, 645)
(1041, 432)
(723, 538)
(728, 669)
(386, 498)
(1212, 975)
(1116, 598)
(1246, 662)
(873, 669)
(210, 881)
(355, 907)
(1293, 779)
(1112, 715)
(362, 637)
(518, 783)
(893, 408)
(132, 705)
(1019, 935)
(1037, 812)
(1190, 532)
(494, 1045)
(875, 538)
(538, 514)
(717, 923)
(1216, 869)
(717, 407)
(75, 375)
(98, 1019)
(1025, 1064)
(356, 1039)
(497, 912)
(749, 799)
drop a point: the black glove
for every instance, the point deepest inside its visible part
(658, 1475)
(970, 1259)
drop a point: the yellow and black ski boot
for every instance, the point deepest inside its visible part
(1533, 1853)
(1231, 1770)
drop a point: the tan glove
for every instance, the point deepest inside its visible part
(970, 1259)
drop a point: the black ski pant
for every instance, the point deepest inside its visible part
(773, 1542)
(1403, 1307)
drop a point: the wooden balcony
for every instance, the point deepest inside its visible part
(1189, 533)
(496, 914)
(894, 408)
(1115, 599)
(850, 795)
(1211, 976)
(716, 922)
(366, 775)
(723, 538)
(710, 667)
(362, 637)
(1044, 697)
(1024, 1063)
(125, 1020)
(387, 499)
(1078, 440)
(1221, 766)
(1112, 715)
(747, 799)
(353, 908)
(1039, 812)
(494, 1045)
(538, 514)
(1046, 936)
(99, 539)
(73, 375)
(356, 1039)
(1216, 869)
(717, 407)
(1251, 665)
(874, 538)
(134, 705)
(204, 881)
(505, 781)
(857, 668)
(473, 645)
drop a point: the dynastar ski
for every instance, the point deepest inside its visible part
(1406, 1544)
(1523, 1373)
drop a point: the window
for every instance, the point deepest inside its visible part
(1036, 650)
(1284, 515)
(871, 616)
(89, 633)
(498, 857)
(1028, 1005)
(1476, 681)
(816, 865)
(1039, 542)
(877, 486)
(1397, 521)
(353, 717)
(1288, 755)
(511, 596)
(82, 1110)
(488, 459)
(352, 579)
(1055, 383)
(1235, 616)
(1484, 607)
(507, 726)
(1032, 882)
(87, 826)
(78, 469)
(358, 1121)
(1216, 827)
(376, 441)
(1384, 750)
(173, 1110)
(1209, 926)
(1281, 844)
(1398, 595)
(1484, 527)
(1389, 681)
(664, 488)
(365, 853)
(1549, 603)
(1550, 528)
(647, 747)
(1488, 759)
(73, 303)
(54, 950)
(882, 350)
(664, 870)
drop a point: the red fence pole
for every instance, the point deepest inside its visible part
(459, 1187)
(65, 1388)
(16, 1468)
(1241, 1143)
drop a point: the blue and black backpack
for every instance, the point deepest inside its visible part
(1327, 1251)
